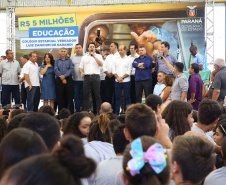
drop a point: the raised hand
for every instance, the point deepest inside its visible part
(147, 36)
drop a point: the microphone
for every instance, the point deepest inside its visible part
(91, 52)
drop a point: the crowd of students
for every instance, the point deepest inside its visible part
(143, 146)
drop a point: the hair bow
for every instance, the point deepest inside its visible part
(155, 156)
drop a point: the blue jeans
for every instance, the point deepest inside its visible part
(6, 90)
(118, 94)
(33, 98)
(78, 91)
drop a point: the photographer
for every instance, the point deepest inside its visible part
(161, 66)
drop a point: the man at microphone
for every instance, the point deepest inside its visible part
(90, 68)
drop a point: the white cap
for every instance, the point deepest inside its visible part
(220, 62)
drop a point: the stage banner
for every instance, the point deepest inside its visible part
(48, 29)
(48, 32)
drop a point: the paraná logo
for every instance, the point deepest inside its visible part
(191, 11)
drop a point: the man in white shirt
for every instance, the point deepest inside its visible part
(90, 68)
(110, 79)
(77, 79)
(133, 54)
(32, 83)
(9, 71)
(121, 69)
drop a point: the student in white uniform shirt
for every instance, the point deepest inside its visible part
(106, 175)
(121, 69)
(90, 68)
(133, 54)
(110, 79)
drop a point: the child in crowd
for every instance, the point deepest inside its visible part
(166, 92)
(154, 102)
(3, 128)
(15, 121)
(78, 124)
(19, 144)
(145, 161)
(178, 115)
(64, 113)
(218, 139)
(47, 126)
(192, 159)
(208, 115)
(160, 85)
(67, 165)
(99, 145)
(141, 120)
(107, 170)
(113, 126)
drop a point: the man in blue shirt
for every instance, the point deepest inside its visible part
(161, 66)
(197, 58)
(64, 84)
(143, 76)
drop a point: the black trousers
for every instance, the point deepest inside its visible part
(23, 94)
(110, 88)
(140, 86)
(102, 95)
(132, 90)
(110, 91)
(91, 82)
(65, 91)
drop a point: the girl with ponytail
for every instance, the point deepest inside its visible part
(99, 145)
(67, 165)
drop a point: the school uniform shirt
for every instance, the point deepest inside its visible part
(199, 130)
(158, 88)
(99, 150)
(216, 177)
(107, 170)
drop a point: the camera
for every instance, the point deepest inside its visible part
(17, 106)
(5, 112)
(159, 57)
(98, 39)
